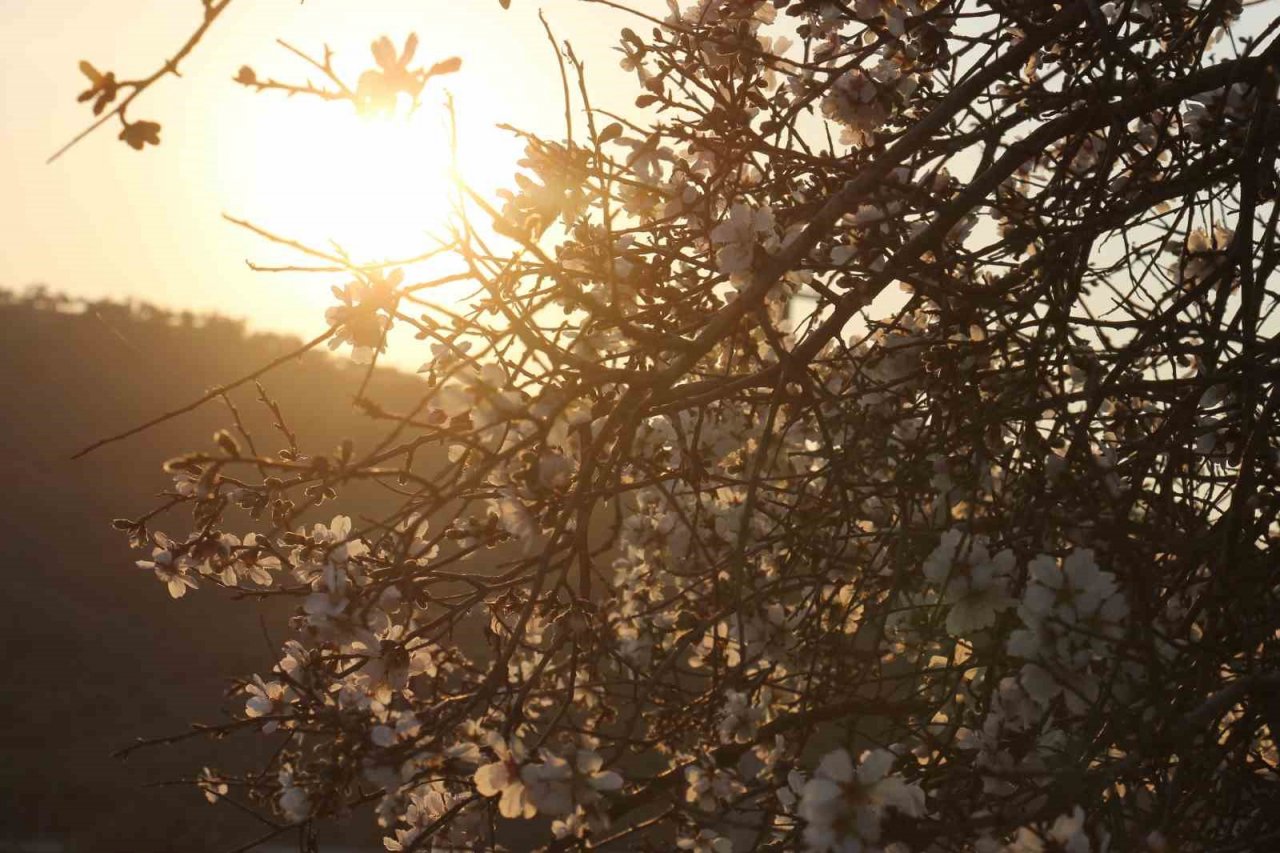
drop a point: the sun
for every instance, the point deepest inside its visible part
(378, 187)
(375, 189)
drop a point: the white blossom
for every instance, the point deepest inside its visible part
(737, 238)
(843, 804)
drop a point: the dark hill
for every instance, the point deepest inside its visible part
(96, 653)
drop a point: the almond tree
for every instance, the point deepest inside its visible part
(869, 442)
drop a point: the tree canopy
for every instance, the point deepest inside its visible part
(868, 441)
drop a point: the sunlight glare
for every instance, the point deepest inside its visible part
(381, 187)
(374, 185)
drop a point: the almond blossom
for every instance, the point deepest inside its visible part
(171, 570)
(504, 778)
(843, 804)
(743, 231)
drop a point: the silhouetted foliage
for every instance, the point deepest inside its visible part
(881, 426)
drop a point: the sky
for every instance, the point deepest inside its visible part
(105, 220)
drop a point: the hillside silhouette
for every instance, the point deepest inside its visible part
(97, 652)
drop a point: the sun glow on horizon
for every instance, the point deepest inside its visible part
(106, 221)
(376, 188)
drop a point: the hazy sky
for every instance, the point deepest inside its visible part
(106, 220)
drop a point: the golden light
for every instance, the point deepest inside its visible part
(373, 184)
(380, 187)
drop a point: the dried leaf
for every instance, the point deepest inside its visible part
(611, 132)
(94, 75)
(445, 66)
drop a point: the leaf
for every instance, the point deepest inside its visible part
(613, 131)
(445, 66)
(87, 69)
(410, 48)
(384, 53)
(506, 4)
(246, 76)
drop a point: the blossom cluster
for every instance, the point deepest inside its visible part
(829, 463)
